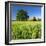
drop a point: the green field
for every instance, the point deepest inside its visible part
(26, 29)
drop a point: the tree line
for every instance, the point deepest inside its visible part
(22, 15)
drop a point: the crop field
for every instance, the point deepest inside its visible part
(26, 29)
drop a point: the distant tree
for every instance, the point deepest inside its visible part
(34, 19)
(39, 19)
(22, 15)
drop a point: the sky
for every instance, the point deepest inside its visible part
(31, 10)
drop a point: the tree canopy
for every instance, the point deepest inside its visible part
(22, 15)
(34, 19)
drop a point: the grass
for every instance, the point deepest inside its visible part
(26, 29)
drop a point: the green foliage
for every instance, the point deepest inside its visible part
(34, 19)
(26, 30)
(39, 19)
(22, 15)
